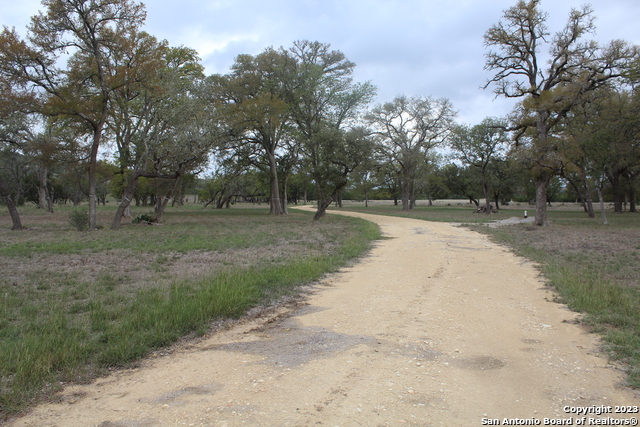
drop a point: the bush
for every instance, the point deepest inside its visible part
(144, 219)
(79, 219)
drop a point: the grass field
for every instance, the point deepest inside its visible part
(594, 268)
(74, 304)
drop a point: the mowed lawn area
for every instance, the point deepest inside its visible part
(594, 268)
(76, 304)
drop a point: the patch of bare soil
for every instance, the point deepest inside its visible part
(140, 270)
(438, 326)
(510, 221)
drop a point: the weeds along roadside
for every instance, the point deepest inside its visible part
(85, 302)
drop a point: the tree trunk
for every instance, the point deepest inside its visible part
(324, 203)
(487, 196)
(614, 179)
(632, 198)
(604, 215)
(406, 195)
(412, 201)
(162, 202)
(276, 203)
(222, 199)
(541, 198)
(285, 209)
(11, 206)
(211, 200)
(125, 204)
(161, 205)
(93, 161)
(322, 208)
(587, 197)
(44, 201)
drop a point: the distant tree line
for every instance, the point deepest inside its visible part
(290, 124)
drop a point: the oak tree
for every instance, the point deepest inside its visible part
(481, 146)
(574, 68)
(408, 129)
(70, 59)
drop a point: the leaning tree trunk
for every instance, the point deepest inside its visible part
(162, 202)
(324, 203)
(11, 206)
(161, 206)
(322, 208)
(125, 204)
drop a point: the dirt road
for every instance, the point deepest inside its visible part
(437, 327)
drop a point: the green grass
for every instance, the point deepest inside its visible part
(72, 320)
(181, 231)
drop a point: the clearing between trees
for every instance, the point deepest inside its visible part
(438, 326)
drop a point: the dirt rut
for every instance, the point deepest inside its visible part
(437, 326)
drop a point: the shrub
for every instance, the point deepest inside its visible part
(79, 219)
(144, 219)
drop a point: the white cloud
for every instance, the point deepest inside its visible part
(412, 47)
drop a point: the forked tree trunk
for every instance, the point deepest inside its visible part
(322, 208)
(324, 203)
(161, 205)
(125, 204)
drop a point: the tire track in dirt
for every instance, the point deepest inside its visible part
(437, 326)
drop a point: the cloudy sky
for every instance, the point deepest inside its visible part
(412, 47)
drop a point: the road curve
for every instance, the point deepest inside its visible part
(437, 326)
